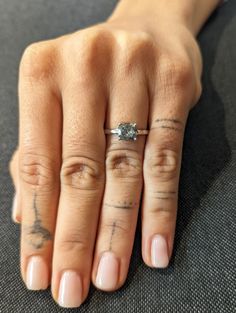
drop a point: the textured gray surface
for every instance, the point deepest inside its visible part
(202, 273)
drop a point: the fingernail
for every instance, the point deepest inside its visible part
(14, 211)
(70, 290)
(37, 274)
(159, 253)
(107, 274)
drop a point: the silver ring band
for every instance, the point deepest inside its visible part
(115, 131)
(126, 131)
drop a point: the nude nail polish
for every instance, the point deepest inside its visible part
(37, 274)
(70, 290)
(108, 271)
(159, 252)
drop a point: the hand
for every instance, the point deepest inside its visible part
(78, 191)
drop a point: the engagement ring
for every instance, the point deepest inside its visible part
(127, 131)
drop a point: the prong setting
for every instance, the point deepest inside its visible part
(127, 131)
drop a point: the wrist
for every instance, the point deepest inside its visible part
(190, 14)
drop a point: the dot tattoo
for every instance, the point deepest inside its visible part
(112, 234)
(122, 205)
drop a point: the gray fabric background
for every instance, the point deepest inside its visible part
(202, 273)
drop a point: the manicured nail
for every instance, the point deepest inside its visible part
(107, 274)
(70, 290)
(37, 274)
(14, 210)
(159, 253)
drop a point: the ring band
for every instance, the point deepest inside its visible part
(126, 131)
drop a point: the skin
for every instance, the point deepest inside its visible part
(78, 191)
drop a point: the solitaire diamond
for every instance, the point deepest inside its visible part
(127, 131)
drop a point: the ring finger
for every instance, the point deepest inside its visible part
(123, 184)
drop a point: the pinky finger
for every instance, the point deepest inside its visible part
(162, 164)
(13, 167)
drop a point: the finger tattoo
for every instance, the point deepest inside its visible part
(38, 234)
(170, 192)
(168, 120)
(164, 198)
(167, 123)
(165, 195)
(112, 234)
(122, 205)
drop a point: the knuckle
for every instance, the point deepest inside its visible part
(82, 173)
(72, 242)
(118, 228)
(165, 215)
(38, 61)
(88, 47)
(134, 48)
(124, 164)
(198, 91)
(95, 37)
(133, 41)
(37, 171)
(162, 163)
(176, 71)
(12, 165)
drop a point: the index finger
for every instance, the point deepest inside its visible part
(39, 162)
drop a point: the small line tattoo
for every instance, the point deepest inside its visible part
(74, 241)
(171, 192)
(112, 234)
(168, 120)
(169, 127)
(38, 234)
(119, 206)
(164, 198)
(159, 209)
(117, 226)
(122, 205)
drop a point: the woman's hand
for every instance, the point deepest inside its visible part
(78, 190)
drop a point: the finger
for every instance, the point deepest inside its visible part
(162, 162)
(123, 186)
(13, 166)
(39, 162)
(82, 174)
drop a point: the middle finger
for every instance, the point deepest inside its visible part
(82, 175)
